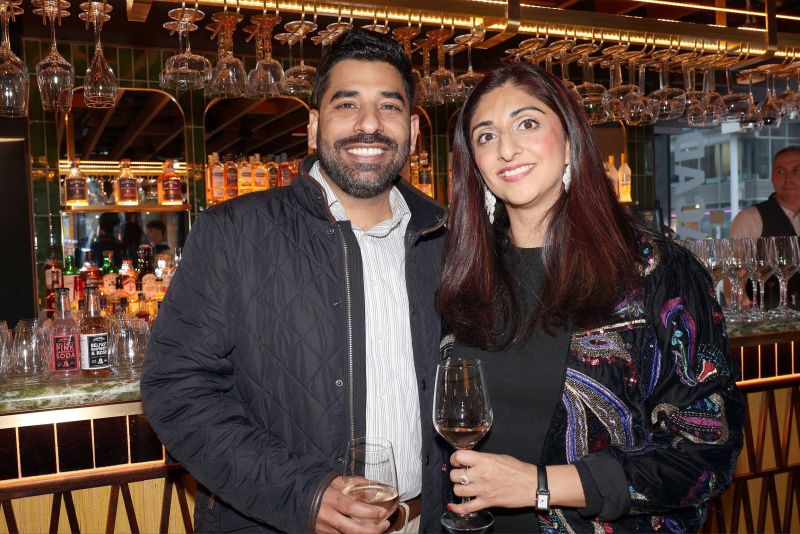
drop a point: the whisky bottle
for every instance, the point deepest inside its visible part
(128, 275)
(145, 271)
(169, 186)
(215, 179)
(76, 189)
(91, 275)
(273, 173)
(285, 171)
(245, 176)
(110, 274)
(259, 173)
(53, 277)
(64, 341)
(231, 178)
(94, 338)
(126, 188)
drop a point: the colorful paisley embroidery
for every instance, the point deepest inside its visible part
(703, 421)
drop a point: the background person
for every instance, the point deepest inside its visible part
(157, 235)
(604, 349)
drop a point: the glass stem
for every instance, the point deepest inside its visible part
(52, 34)
(782, 285)
(760, 284)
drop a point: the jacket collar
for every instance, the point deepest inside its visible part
(427, 215)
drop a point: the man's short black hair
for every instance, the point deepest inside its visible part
(158, 225)
(364, 45)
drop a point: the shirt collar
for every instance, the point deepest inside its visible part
(397, 204)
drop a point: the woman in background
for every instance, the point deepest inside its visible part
(604, 348)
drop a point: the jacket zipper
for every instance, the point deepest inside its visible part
(348, 301)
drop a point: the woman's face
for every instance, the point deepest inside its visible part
(520, 149)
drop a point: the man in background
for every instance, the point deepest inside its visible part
(157, 235)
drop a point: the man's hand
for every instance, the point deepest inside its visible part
(342, 514)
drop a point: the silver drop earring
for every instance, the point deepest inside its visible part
(489, 201)
(566, 177)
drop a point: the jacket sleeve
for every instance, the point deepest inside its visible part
(693, 412)
(187, 388)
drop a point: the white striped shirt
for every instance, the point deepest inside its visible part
(392, 396)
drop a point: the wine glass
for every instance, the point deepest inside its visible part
(671, 101)
(370, 475)
(737, 105)
(443, 80)
(228, 77)
(467, 81)
(267, 78)
(752, 120)
(29, 352)
(14, 81)
(462, 415)
(787, 262)
(592, 95)
(54, 74)
(185, 70)
(100, 86)
(427, 94)
(640, 109)
(770, 109)
(764, 261)
(404, 35)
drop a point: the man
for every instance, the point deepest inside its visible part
(157, 235)
(303, 317)
(106, 243)
(780, 213)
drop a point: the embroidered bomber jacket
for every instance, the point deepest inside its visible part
(649, 406)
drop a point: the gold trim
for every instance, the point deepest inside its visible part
(66, 415)
(55, 443)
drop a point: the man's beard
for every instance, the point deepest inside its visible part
(348, 176)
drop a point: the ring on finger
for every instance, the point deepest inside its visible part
(464, 480)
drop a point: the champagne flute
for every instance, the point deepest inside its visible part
(370, 475)
(463, 416)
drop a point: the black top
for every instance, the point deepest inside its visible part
(524, 384)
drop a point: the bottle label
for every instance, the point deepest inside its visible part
(218, 184)
(129, 286)
(274, 178)
(65, 353)
(127, 190)
(172, 189)
(76, 189)
(260, 180)
(69, 283)
(110, 283)
(94, 351)
(52, 278)
(245, 178)
(149, 285)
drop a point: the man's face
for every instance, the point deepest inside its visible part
(786, 179)
(363, 131)
(154, 235)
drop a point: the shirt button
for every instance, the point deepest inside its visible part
(379, 336)
(384, 391)
(373, 282)
(340, 382)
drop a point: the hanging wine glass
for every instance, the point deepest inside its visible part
(707, 109)
(428, 95)
(185, 70)
(467, 81)
(54, 74)
(752, 121)
(737, 105)
(638, 108)
(299, 81)
(593, 96)
(790, 99)
(267, 77)
(14, 81)
(671, 100)
(770, 109)
(577, 52)
(378, 28)
(228, 76)
(617, 89)
(443, 80)
(404, 35)
(100, 86)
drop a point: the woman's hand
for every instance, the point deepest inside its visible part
(498, 480)
(494, 480)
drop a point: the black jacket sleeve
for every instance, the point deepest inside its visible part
(189, 393)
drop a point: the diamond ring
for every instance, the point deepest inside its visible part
(464, 480)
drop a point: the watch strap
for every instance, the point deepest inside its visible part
(542, 491)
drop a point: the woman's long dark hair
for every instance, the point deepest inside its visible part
(589, 243)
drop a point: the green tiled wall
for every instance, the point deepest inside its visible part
(641, 161)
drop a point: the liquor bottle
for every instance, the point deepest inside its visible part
(259, 173)
(94, 337)
(65, 359)
(285, 171)
(90, 273)
(110, 274)
(141, 305)
(126, 188)
(70, 275)
(76, 189)
(52, 271)
(128, 275)
(231, 178)
(146, 273)
(215, 180)
(245, 176)
(624, 181)
(169, 186)
(273, 173)
(613, 175)
(425, 176)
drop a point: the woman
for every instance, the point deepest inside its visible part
(603, 346)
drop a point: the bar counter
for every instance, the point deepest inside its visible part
(84, 444)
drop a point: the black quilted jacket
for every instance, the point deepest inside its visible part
(254, 376)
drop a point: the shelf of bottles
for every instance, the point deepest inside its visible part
(228, 177)
(620, 178)
(422, 173)
(125, 186)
